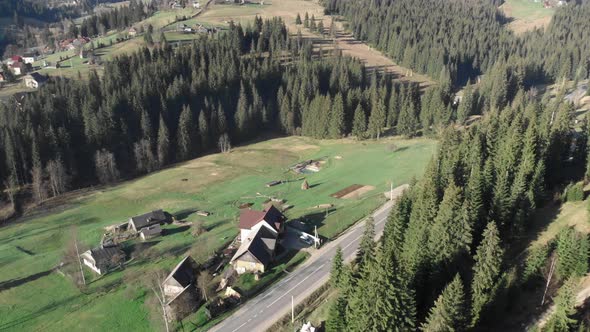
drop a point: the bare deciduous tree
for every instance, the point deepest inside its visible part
(155, 284)
(106, 166)
(11, 186)
(72, 261)
(58, 178)
(224, 143)
(204, 283)
(39, 185)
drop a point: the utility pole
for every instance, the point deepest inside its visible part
(317, 239)
(391, 191)
(292, 310)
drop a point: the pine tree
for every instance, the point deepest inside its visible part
(359, 124)
(396, 225)
(163, 143)
(337, 264)
(449, 311)
(382, 300)
(366, 249)
(336, 321)
(565, 307)
(451, 231)
(186, 134)
(407, 122)
(377, 118)
(306, 21)
(298, 19)
(572, 251)
(204, 131)
(336, 129)
(486, 271)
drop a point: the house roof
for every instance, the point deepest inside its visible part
(37, 77)
(151, 230)
(261, 245)
(17, 58)
(104, 255)
(184, 272)
(151, 218)
(249, 218)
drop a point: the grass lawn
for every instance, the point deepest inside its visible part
(35, 299)
(527, 14)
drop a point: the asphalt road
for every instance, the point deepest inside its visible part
(259, 313)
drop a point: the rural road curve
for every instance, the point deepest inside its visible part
(260, 312)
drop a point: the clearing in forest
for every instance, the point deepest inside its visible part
(31, 247)
(526, 15)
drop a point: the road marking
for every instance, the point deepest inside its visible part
(299, 283)
(239, 327)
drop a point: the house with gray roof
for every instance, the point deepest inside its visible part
(148, 219)
(103, 259)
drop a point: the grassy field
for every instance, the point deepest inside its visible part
(31, 247)
(526, 14)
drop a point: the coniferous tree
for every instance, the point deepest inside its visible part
(306, 21)
(565, 307)
(407, 122)
(449, 311)
(359, 124)
(337, 264)
(486, 271)
(186, 134)
(298, 19)
(572, 251)
(367, 245)
(336, 321)
(377, 118)
(163, 143)
(337, 129)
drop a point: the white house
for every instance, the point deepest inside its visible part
(29, 58)
(34, 80)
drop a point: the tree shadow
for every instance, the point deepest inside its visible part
(183, 214)
(5, 285)
(42, 311)
(172, 231)
(28, 252)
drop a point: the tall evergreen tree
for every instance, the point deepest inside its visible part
(163, 143)
(185, 137)
(337, 129)
(359, 124)
(337, 264)
(449, 311)
(486, 271)
(366, 250)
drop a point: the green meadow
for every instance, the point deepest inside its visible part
(34, 297)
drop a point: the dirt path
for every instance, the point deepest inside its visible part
(220, 14)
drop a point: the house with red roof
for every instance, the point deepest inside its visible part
(259, 234)
(270, 218)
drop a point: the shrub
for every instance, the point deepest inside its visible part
(574, 192)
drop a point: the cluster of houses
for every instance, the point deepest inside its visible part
(108, 255)
(73, 43)
(21, 65)
(179, 5)
(197, 28)
(259, 234)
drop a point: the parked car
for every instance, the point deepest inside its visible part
(306, 239)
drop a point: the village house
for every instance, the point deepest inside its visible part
(270, 217)
(18, 68)
(34, 80)
(256, 251)
(13, 59)
(29, 58)
(196, 4)
(150, 232)
(180, 291)
(148, 219)
(132, 32)
(102, 259)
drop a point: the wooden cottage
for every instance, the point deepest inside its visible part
(102, 259)
(270, 218)
(148, 219)
(256, 251)
(180, 290)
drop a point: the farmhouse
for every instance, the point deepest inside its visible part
(180, 291)
(14, 59)
(149, 232)
(102, 259)
(34, 80)
(18, 68)
(29, 58)
(270, 218)
(256, 251)
(132, 32)
(148, 219)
